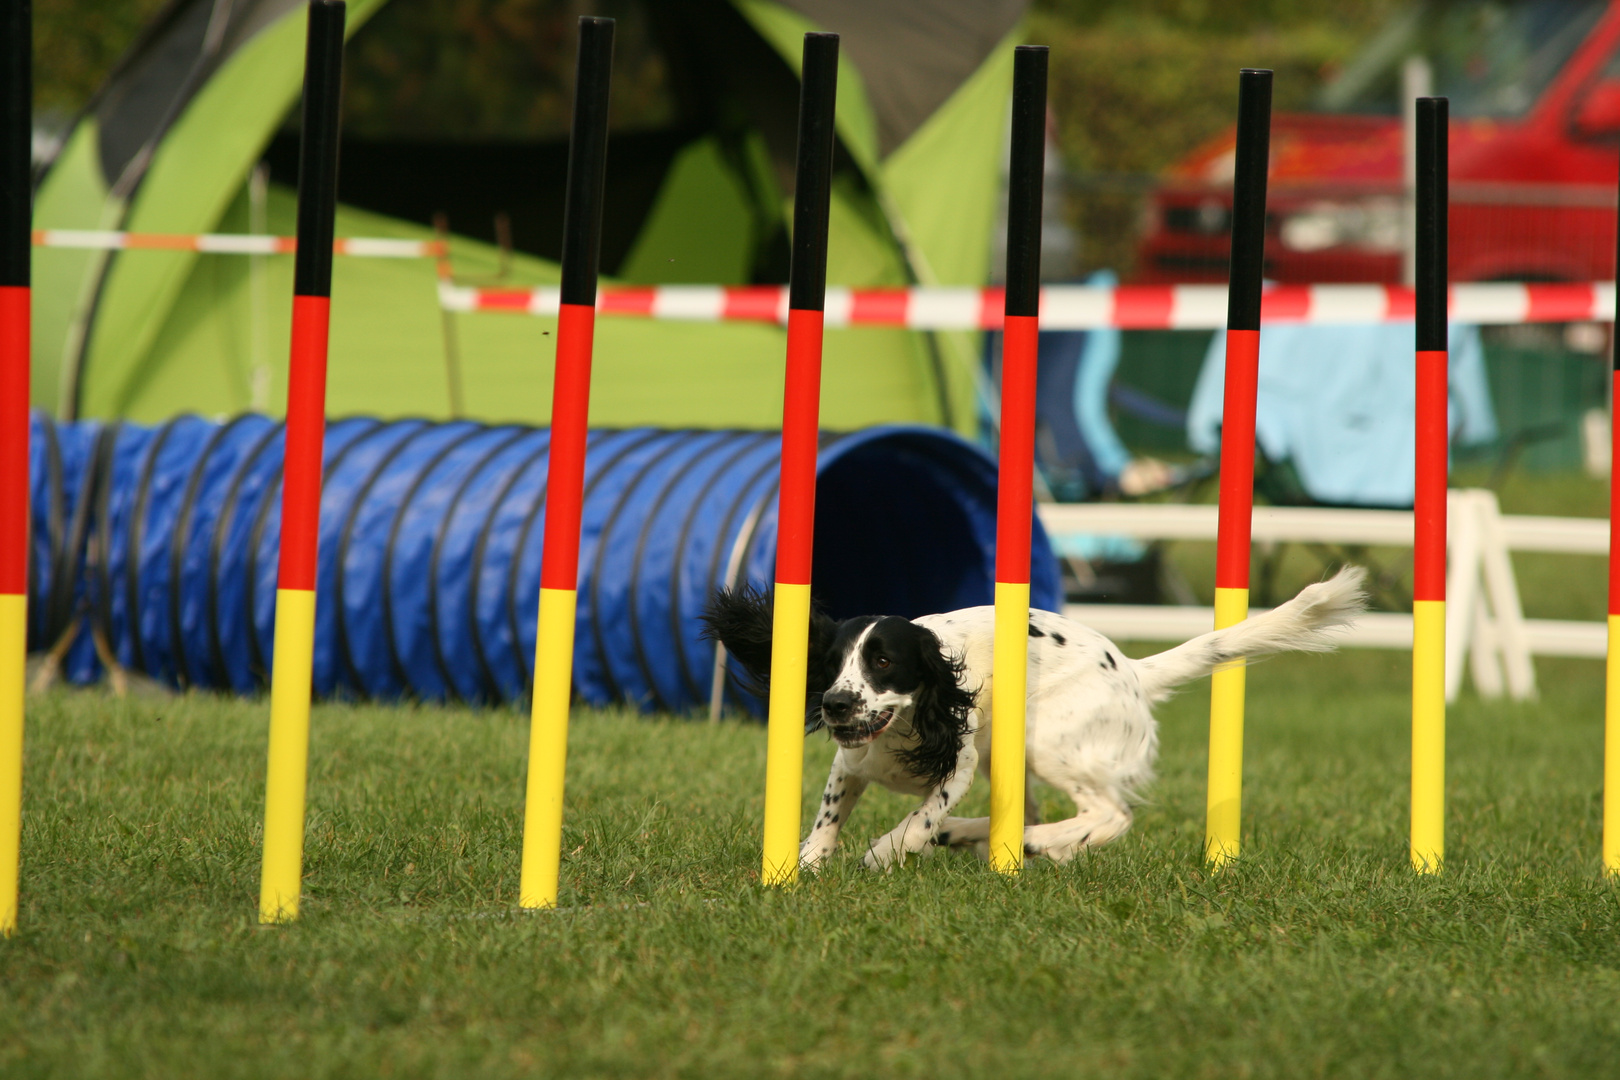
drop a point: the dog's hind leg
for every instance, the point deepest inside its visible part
(968, 832)
(963, 831)
(1099, 818)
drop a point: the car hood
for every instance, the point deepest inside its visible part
(1316, 149)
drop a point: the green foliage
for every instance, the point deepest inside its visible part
(491, 70)
(1319, 954)
(76, 43)
(1223, 16)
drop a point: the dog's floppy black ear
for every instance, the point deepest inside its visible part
(741, 619)
(821, 666)
(939, 719)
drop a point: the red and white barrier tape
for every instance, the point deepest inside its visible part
(1067, 307)
(229, 243)
(1063, 307)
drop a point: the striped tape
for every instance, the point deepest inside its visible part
(1063, 307)
(230, 243)
(1066, 307)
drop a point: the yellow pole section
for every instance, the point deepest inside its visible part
(1611, 754)
(13, 665)
(1008, 700)
(548, 749)
(291, 678)
(784, 737)
(1428, 735)
(1223, 813)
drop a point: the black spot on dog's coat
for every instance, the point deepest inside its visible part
(1108, 661)
(1058, 639)
(1035, 631)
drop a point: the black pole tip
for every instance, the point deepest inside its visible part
(318, 147)
(1025, 172)
(587, 161)
(1253, 152)
(1432, 212)
(812, 194)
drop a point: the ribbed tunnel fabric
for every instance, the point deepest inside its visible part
(166, 538)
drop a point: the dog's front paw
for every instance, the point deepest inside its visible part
(812, 855)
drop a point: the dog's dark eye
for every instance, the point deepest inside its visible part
(882, 661)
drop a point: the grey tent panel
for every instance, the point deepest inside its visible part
(913, 54)
(185, 44)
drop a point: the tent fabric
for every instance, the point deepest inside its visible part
(166, 538)
(169, 144)
(185, 43)
(1339, 403)
(913, 56)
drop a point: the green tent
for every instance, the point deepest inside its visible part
(456, 110)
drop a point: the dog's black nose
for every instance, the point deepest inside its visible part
(836, 705)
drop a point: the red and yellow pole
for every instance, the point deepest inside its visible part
(796, 497)
(565, 471)
(1429, 503)
(282, 875)
(1224, 807)
(16, 190)
(1015, 482)
(1611, 704)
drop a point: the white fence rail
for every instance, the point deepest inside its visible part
(1484, 618)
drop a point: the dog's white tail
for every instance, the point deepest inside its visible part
(1301, 625)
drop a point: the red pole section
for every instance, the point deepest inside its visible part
(286, 777)
(16, 128)
(796, 498)
(565, 473)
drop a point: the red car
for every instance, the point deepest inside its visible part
(1535, 155)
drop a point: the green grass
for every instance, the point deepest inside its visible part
(1319, 954)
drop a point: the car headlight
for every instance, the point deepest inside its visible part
(1374, 224)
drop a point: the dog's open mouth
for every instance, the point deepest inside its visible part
(862, 731)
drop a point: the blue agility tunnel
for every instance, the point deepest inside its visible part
(164, 540)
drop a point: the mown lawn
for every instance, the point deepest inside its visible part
(1320, 954)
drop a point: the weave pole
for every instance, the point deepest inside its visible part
(1611, 701)
(796, 498)
(1429, 503)
(291, 674)
(1224, 810)
(16, 125)
(565, 472)
(1016, 468)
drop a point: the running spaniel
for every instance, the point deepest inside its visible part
(908, 703)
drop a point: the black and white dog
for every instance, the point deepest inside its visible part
(908, 703)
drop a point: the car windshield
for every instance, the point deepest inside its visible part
(1491, 58)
